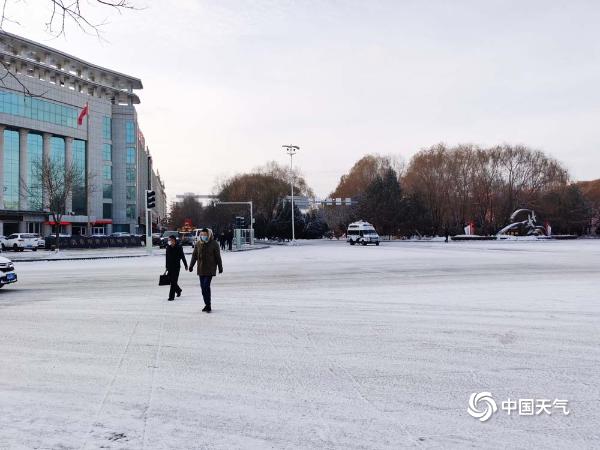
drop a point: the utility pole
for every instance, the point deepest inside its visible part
(291, 150)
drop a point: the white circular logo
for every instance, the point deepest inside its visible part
(482, 406)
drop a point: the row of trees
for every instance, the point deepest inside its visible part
(444, 188)
(267, 187)
(439, 191)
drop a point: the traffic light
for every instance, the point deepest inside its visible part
(150, 199)
(240, 222)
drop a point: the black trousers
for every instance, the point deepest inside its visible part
(174, 277)
(205, 286)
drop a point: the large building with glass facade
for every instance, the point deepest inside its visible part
(41, 97)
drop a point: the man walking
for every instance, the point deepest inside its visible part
(174, 256)
(230, 239)
(208, 256)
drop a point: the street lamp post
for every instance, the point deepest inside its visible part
(291, 150)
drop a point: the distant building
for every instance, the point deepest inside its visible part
(201, 198)
(107, 147)
(145, 165)
(305, 204)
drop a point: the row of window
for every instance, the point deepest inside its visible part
(130, 170)
(38, 109)
(35, 108)
(131, 191)
(107, 211)
(34, 187)
(21, 105)
(107, 127)
(129, 132)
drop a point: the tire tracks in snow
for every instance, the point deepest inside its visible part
(326, 437)
(155, 367)
(356, 386)
(110, 386)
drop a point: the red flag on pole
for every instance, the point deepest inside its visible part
(82, 114)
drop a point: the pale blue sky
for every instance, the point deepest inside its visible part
(226, 83)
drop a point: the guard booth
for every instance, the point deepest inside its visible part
(243, 236)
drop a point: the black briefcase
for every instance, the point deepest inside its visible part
(164, 280)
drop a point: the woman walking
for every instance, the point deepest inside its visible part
(174, 256)
(208, 256)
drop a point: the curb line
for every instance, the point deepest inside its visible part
(92, 258)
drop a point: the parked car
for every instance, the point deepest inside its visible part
(165, 237)
(187, 239)
(7, 272)
(41, 242)
(3, 242)
(121, 234)
(156, 239)
(362, 233)
(18, 242)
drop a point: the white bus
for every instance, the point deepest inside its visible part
(362, 233)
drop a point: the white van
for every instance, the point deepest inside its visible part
(362, 233)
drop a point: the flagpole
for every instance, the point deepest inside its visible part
(87, 166)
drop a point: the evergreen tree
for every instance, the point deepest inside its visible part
(382, 203)
(316, 227)
(281, 225)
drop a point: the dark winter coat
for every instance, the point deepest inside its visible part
(208, 256)
(174, 256)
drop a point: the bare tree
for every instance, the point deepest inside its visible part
(63, 13)
(364, 172)
(467, 183)
(51, 187)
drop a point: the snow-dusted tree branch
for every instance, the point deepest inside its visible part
(62, 14)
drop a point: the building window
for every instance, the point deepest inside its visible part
(106, 127)
(34, 227)
(97, 231)
(57, 150)
(11, 169)
(131, 155)
(129, 132)
(107, 173)
(107, 210)
(107, 191)
(130, 174)
(107, 152)
(121, 228)
(35, 145)
(131, 192)
(130, 211)
(80, 181)
(21, 105)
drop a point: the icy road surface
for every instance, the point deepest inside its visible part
(317, 346)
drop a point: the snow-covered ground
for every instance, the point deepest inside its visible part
(321, 345)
